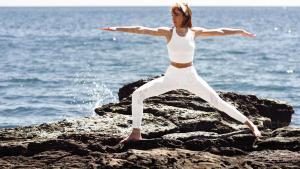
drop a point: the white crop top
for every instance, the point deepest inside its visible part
(181, 48)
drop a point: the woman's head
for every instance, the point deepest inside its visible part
(181, 14)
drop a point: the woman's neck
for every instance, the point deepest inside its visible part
(181, 29)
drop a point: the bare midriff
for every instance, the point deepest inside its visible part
(181, 65)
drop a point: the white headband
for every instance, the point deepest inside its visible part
(183, 6)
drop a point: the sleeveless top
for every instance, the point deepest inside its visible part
(181, 48)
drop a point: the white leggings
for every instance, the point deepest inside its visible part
(179, 78)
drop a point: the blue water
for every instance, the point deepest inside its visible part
(55, 64)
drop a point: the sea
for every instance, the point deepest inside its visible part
(55, 64)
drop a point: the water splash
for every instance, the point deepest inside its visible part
(88, 93)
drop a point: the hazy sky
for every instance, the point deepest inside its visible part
(148, 2)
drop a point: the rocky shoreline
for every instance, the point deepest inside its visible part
(180, 129)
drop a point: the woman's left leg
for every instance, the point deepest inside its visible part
(195, 84)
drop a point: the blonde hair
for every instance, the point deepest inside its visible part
(186, 11)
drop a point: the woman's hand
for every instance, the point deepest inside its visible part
(108, 28)
(246, 34)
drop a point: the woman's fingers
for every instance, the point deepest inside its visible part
(247, 34)
(107, 28)
(251, 35)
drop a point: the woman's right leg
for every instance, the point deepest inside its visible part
(155, 87)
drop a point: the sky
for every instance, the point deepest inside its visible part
(8, 3)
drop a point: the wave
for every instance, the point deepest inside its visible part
(25, 80)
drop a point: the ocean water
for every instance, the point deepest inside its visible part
(55, 64)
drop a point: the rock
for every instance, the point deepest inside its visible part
(180, 130)
(272, 113)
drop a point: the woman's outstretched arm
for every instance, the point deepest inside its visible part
(160, 31)
(200, 31)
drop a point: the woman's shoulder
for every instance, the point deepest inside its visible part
(197, 28)
(167, 30)
(164, 28)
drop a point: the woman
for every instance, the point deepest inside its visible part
(181, 73)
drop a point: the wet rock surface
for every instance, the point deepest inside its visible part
(180, 130)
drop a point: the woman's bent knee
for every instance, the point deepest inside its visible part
(138, 95)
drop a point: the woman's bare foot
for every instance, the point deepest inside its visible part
(135, 135)
(256, 132)
(253, 128)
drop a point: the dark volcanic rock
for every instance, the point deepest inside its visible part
(180, 130)
(279, 113)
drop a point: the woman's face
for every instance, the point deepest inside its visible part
(178, 17)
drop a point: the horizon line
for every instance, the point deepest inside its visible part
(149, 6)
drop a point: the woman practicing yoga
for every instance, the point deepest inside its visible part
(180, 74)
